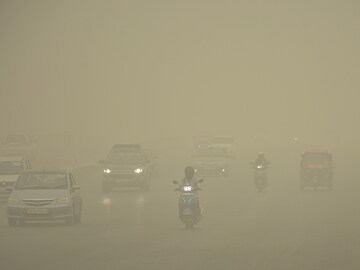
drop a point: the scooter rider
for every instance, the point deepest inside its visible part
(261, 160)
(189, 179)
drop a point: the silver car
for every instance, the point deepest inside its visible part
(45, 195)
(10, 169)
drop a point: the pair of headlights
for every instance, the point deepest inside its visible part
(138, 170)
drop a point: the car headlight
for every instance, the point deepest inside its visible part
(187, 188)
(138, 170)
(107, 171)
(13, 201)
(63, 200)
(223, 170)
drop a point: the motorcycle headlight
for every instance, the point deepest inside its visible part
(63, 200)
(13, 201)
(138, 170)
(107, 171)
(187, 188)
(259, 166)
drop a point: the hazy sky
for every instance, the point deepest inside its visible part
(180, 67)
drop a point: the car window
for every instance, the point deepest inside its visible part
(28, 165)
(72, 180)
(42, 180)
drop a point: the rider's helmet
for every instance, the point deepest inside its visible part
(261, 155)
(189, 172)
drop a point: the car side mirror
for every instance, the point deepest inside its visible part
(175, 182)
(201, 181)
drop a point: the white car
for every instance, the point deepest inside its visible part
(10, 169)
(45, 195)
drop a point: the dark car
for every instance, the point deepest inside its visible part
(126, 166)
(211, 162)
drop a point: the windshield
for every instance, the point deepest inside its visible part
(211, 152)
(15, 139)
(125, 158)
(11, 167)
(42, 181)
(317, 158)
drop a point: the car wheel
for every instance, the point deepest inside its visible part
(22, 222)
(145, 187)
(12, 222)
(106, 188)
(78, 216)
(70, 220)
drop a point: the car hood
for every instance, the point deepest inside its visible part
(8, 177)
(39, 194)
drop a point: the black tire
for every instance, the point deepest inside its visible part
(106, 188)
(189, 224)
(78, 216)
(70, 220)
(12, 222)
(145, 187)
(22, 222)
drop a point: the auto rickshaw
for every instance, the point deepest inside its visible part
(317, 169)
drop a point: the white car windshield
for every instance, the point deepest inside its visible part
(42, 181)
(11, 167)
(118, 157)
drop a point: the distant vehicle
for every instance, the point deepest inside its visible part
(317, 169)
(19, 144)
(260, 176)
(201, 142)
(10, 169)
(211, 162)
(226, 143)
(45, 195)
(126, 165)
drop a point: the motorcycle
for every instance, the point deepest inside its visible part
(260, 176)
(189, 206)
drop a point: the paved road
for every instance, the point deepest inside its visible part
(281, 228)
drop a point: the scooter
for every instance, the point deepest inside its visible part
(260, 176)
(189, 206)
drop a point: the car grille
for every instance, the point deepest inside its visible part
(37, 202)
(123, 176)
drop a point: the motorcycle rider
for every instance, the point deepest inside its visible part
(190, 180)
(261, 160)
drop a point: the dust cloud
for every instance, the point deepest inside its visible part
(278, 77)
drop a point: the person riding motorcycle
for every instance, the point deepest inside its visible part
(189, 179)
(261, 160)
